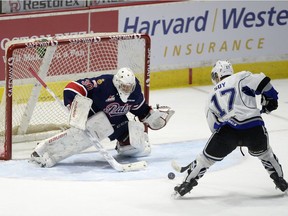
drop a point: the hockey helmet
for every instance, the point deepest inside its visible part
(124, 81)
(220, 70)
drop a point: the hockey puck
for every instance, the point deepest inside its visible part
(171, 175)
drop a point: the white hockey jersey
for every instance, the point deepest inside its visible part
(233, 102)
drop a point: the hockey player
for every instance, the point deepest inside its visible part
(105, 100)
(234, 120)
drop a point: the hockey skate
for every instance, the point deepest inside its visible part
(279, 182)
(185, 187)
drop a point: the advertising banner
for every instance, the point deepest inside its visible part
(184, 34)
(199, 32)
(32, 27)
(100, 2)
(12, 6)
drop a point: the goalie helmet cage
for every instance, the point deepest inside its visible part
(27, 110)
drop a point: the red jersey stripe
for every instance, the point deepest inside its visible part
(76, 87)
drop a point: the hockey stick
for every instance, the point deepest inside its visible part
(111, 160)
(178, 168)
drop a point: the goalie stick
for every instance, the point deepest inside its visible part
(111, 160)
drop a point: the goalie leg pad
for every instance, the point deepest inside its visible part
(138, 139)
(99, 126)
(52, 150)
(136, 134)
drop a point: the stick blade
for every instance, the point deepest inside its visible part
(134, 166)
(178, 168)
(175, 166)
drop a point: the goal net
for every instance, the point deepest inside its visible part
(27, 111)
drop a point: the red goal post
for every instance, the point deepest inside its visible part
(27, 111)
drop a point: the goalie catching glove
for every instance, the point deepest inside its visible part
(157, 118)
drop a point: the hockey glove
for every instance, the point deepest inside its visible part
(268, 104)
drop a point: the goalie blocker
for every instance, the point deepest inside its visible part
(75, 140)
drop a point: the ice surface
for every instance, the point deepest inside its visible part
(85, 184)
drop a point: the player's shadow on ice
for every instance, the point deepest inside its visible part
(96, 162)
(233, 198)
(85, 164)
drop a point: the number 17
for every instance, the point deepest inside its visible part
(231, 96)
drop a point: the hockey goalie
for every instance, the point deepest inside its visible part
(98, 109)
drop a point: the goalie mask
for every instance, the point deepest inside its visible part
(220, 70)
(124, 81)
